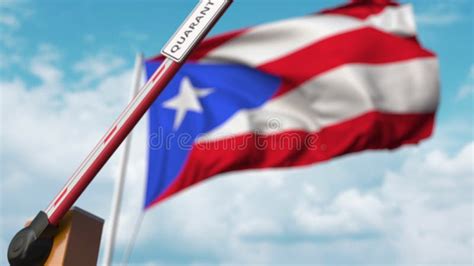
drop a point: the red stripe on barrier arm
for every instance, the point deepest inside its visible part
(60, 197)
(110, 134)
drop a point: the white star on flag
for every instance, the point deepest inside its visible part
(187, 100)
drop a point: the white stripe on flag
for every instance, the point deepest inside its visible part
(343, 93)
(263, 44)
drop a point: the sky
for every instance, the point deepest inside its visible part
(65, 72)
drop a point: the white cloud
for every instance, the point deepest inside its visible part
(350, 214)
(441, 13)
(46, 130)
(43, 122)
(96, 67)
(43, 66)
(437, 18)
(467, 89)
(259, 227)
(9, 21)
(434, 197)
(6, 3)
(12, 15)
(89, 38)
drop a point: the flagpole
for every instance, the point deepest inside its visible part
(120, 182)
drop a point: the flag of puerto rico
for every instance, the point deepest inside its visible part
(293, 93)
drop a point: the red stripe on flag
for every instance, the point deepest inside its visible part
(373, 130)
(365, 46)
(361, 9)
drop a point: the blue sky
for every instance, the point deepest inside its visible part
(65, 68)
